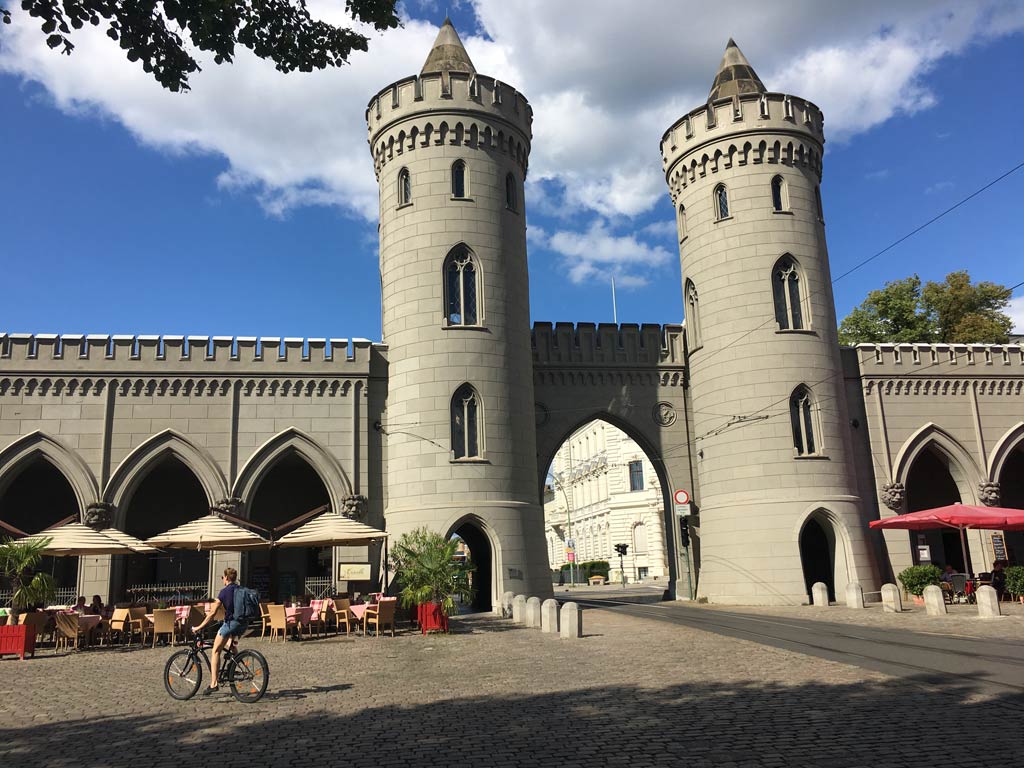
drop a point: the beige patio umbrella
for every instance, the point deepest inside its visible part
(331, 529)
(209, 532)
(76, 539)
(137, 545)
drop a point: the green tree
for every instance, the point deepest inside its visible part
(18, 563)
(160, 33)
(968, 313)
(953, 311)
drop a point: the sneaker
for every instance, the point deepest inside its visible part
(210, 690)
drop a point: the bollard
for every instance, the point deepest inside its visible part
(549, 615)
(532, 615)
(988, 603)
(891, 600)
(854, 595)
(519, 609)
(506, 604)
(570, 621)
(934, 602)
(819, 593)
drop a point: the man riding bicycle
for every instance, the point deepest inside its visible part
(229, 630)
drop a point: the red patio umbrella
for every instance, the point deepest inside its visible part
(959, 516)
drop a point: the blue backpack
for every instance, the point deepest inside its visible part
(247, 605)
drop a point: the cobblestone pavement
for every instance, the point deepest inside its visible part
(633, 692)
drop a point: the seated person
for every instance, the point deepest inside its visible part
(80, 607)
(948, 574)
(96, 607)
(998, 578)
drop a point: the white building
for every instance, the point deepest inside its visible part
(604, 491)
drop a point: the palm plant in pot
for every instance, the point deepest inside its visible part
(18, 563)
(430, 576)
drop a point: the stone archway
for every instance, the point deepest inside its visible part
(1011, 489)
(818, 554)
(471, 531)
(931, 483)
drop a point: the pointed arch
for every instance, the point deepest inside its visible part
(806, 422)
(22, 451)
(467, 423)
(790, 295)
(463, 283)
(1013, 438)
(962, 467)
(135, 465)
(287, 442)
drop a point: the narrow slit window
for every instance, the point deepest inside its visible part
(404, 187)
(778, 194)
(693, 315)
(721, 202)
(510, 193)
(466, 423)
(681, 222)
(458, 179)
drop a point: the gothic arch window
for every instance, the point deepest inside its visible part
(721, 199)
(789, 295)
(466, 420)
(817, 203)
(510, 193)
(460, 179)
(803, 414)
(780, 195)
(461, 288)
(404, 187)
(693, 316)
(681, 222)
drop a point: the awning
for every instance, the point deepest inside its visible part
(75, 539)
(208, 533)
(331, 529)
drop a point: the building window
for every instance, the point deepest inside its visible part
(779, 201)
(636, 475)
(787, 293)
(461, 286)
(510, 193)
(817, 203)
(693, 316)
(721, 202)
(639, 539)
(459, 184)
(404, 187)
(681, 222)
(466, 423)
(802, 415)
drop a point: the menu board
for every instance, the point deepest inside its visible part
(998, 546)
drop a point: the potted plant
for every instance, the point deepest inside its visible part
(18, 563)
(1015, 581)
(915, 578)
(430, 576)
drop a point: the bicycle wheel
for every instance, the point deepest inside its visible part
(183, 674)
(249, 674)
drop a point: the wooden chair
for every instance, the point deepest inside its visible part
(279, 621)
(139, 623)
(121, 624)
(947, 591)
(164, 623)
(381, 615)
(264, 618)
(67, 629)
(342, 615)
(41, 621)
(328, 617)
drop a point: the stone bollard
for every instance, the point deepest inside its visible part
(549, 615)
(571, 621)
(506, 604)
(532, 616)
(988, 603)
(891, 600)
(519, 609)
(934, 602)
(819, 593)
(854, 595)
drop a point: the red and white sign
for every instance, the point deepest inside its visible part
(681, 497)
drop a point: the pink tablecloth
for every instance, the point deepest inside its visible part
(89, 622)
(302, 615)
(359, 610)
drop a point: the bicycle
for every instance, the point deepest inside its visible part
(246, 671)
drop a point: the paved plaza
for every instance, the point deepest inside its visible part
(632, 692)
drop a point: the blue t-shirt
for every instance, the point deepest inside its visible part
(227, 599)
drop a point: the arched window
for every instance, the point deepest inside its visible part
(817, 202)
(510, 193)
(721, 202)
(404, 187)
(803, 415)
(693, 315)
(459, 185)
(466, 423)
(461, 287)
(779, 201)
(681, 222)
(787, 293)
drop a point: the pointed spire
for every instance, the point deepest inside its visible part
(448, 54)
(735, 75)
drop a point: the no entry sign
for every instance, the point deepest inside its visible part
(681, 501)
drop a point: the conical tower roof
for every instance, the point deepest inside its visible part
(448, 54)
(735, 75)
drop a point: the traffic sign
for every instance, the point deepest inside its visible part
(681, 499)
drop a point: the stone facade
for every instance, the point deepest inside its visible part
(788, 444)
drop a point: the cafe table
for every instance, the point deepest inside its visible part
(302, 615)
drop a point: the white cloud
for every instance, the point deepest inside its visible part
(599, 254)
(1016, 312)
(938, 186)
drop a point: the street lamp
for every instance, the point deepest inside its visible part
(557, 480)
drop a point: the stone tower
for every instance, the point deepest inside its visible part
(450, 149)
(778, 500)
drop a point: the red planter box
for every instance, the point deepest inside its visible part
(430, 616)
(20, 639)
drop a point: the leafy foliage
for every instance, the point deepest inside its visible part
(159, 33)
(1015, 580)
(953, 311)
(429, 572)
(915, 578)
(18, 561)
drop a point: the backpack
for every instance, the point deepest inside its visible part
(247, 605)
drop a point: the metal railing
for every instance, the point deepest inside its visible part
(319, 587)
(173, 593)
(64, 596)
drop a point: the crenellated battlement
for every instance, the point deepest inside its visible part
(739, 130)
(606, 344)
(939, 359)
(100, 353)
(456, 108)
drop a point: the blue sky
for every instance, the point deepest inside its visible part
(247, 207)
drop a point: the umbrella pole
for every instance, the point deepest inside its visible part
(963, 549)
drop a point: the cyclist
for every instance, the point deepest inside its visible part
(229, 630)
